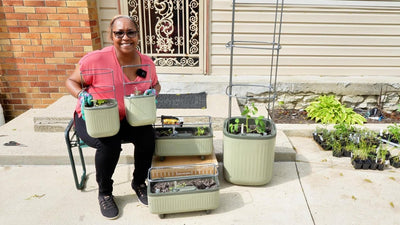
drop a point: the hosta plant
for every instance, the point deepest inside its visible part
(328, 110)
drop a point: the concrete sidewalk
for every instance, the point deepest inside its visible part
(309, 186)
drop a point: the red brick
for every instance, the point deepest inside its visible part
(18, 29)
(39, 29)
(30, 35)
(72, 36)
(7, 9)
(52, 48)
(36, 16)
(62, 43)
(73, 49)
(46, 67)
(13, 2)
(46, 10)
(48, 90)
(33, 48)
(47, 78)
(65, 67)
(12, 48)
(34, 60)
(56, 72)
(58, 16)
(28, 23)
(44, 54)
(72, 60)
(67, 10)
(22, 107)
(55, 3)
(69, 23)
(60, 30)
(15, 16)
(23, 54)
(37, 73)
(40, 95)
(13, 60)
(82, 42)
(80, 30)
(39, 84)
(15, 72)
(34, 3)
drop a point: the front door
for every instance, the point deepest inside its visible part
(172, 33)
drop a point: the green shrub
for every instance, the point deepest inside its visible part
(328, 110)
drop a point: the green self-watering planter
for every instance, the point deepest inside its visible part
(102, 120)
(248, 158)
(178, 194)
(183, 141)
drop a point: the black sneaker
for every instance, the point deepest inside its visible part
(141, 192)
(108, 207)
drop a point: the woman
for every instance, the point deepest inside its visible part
(124, 33)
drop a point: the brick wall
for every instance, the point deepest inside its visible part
(41, 42)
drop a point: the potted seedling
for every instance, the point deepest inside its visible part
(184, 139)
(395, 161)
(249, 145)
(391, 135)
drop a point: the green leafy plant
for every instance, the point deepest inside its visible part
(328, 110)
(248, 111)
(259, 121)
(234, 127)
(200, 131)
(394, 131)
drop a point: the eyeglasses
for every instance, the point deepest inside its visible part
(121, 34)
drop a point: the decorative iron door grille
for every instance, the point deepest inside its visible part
(171, 33)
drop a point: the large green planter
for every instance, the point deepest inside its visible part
(140, 109)
(103, 120)
(183, 141)
(181, 195)
(248, 159)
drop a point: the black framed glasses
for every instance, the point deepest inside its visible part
(121, 34)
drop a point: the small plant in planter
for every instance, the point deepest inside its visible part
(328, 110)
(322, 136)
(382, 154)
(249, 148)
(259, 125)
(392, 133)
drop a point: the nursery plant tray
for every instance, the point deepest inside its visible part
(186, 188)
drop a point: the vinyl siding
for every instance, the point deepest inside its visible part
(324, 39)
(320, 37)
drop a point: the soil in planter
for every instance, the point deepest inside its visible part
(252, 129)
(182, 131)
(184, 185)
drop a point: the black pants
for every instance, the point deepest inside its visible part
(108, 150)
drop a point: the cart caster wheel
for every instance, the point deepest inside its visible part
(162, 158)
(202, 157)
(208, 211)
(162, 216)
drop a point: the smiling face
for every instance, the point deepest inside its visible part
(124, 35)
